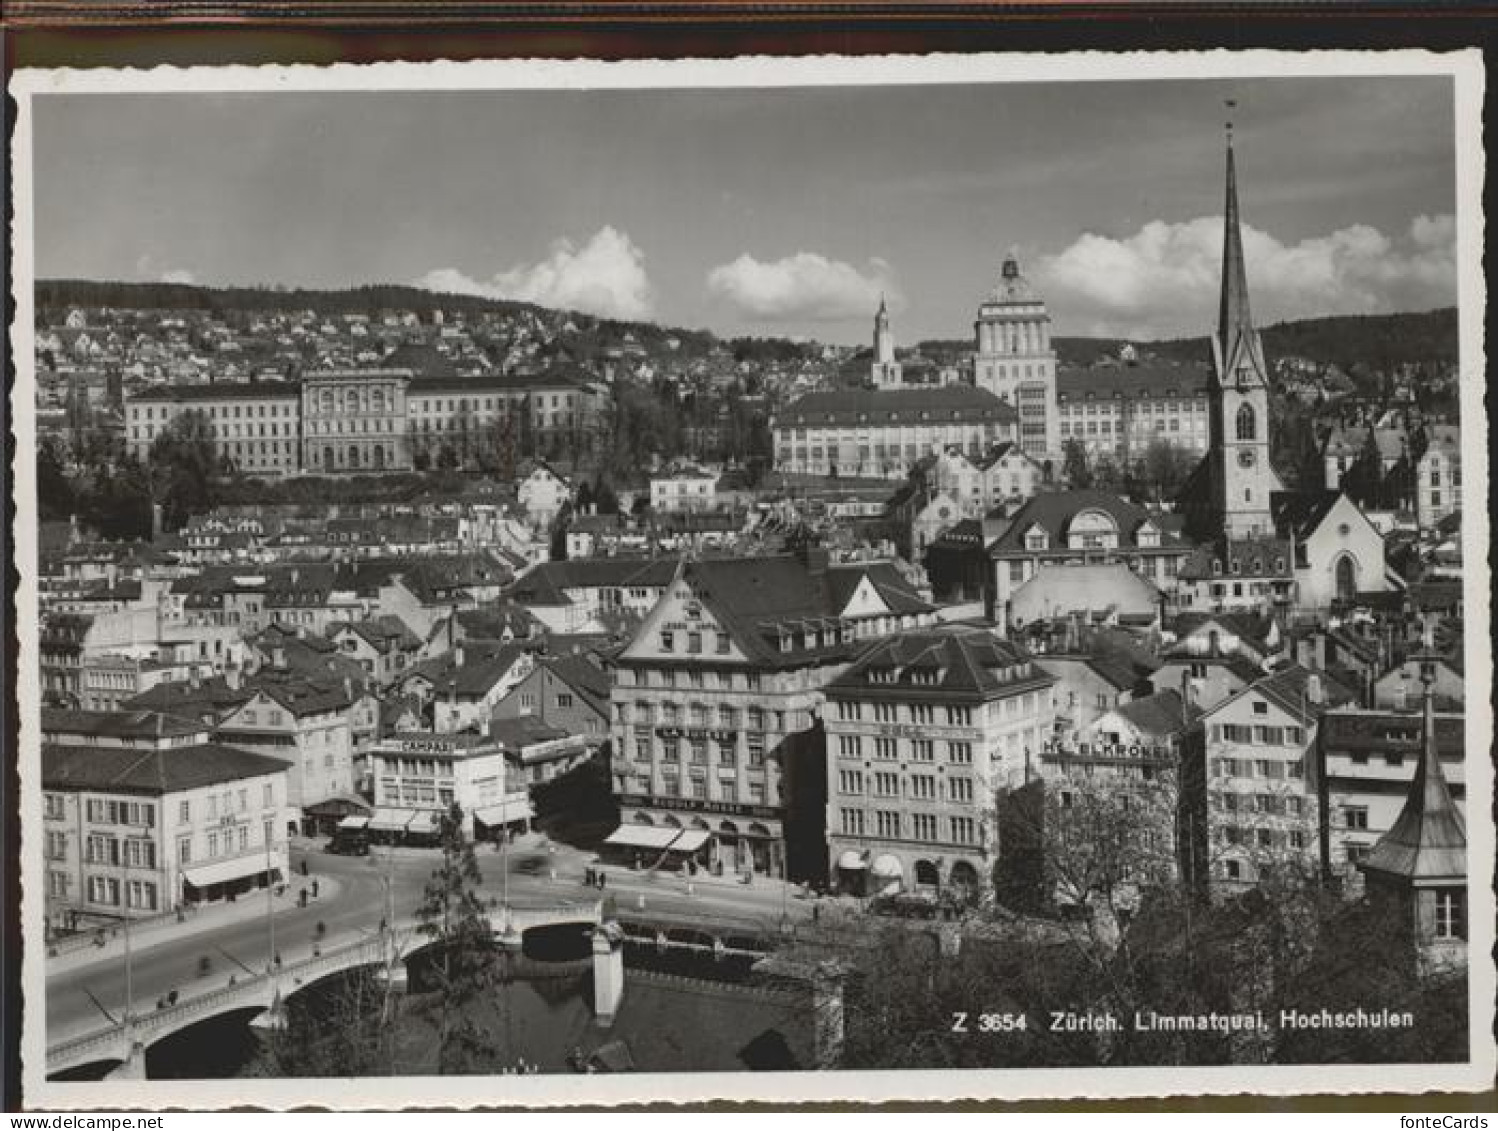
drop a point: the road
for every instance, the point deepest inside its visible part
(89, 994)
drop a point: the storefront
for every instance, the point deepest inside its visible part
(648, 847)
(226, 879)
(738, 838)
(512, 815)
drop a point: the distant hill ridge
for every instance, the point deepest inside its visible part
(1375, 340)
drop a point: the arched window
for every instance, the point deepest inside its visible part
(1346, 578)
(1248, 424)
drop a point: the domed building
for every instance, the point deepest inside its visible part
(1015, 360)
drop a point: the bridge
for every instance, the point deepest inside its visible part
(126, 1041)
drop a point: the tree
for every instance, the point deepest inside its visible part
(181, 467)
(56, 498)
(1165, 467)
(455, 918)
(339, 1027)
(1075, 469)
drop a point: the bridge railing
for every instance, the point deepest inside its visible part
(146, 1026)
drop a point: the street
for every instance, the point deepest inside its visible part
(81, 989)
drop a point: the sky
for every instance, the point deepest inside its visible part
(774, 212)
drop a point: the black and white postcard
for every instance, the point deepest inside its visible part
(888, 578)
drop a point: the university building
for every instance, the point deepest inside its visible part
(881, 434)
(1120, 411)
(1015, 361)
(354, 421)
(921, 732)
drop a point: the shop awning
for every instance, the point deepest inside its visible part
(351, 824)
(642, 836)
(690, 840)
(223, 871)
(506, 812)
(852, 861)
(391, 820)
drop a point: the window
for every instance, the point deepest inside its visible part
(57, 846)
(923, 826)
(756, 750)
(668, 640)
(922, 714)
(852, 821)
(694, 643)
(960, 753)
(1247, 423)
(54, 806)
(850, 745)
(1355, 816)
(959, 716)
(847, 712)
(850, 781)
(923, 787)
(923, 750)
(886, 823)
(964, 830)
(1451, 914)
(960, 789)
(1232, 732)
(184, 850)
(1269, 736)
(885, 713)
(887, 785)
(887, 748)
(722, 643)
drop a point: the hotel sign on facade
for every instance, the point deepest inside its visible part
(699, 805)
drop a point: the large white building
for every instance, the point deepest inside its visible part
(1015, 360)
(1121, 411)
(883, 433)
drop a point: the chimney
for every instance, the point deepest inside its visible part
(484, 725)
(1314, 693)
(458, 656)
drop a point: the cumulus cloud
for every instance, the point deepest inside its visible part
(1162, 281)
(805, 287)
(604, 276)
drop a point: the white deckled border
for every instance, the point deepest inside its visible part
(1466, 71)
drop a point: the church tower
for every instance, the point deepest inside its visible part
(1242, 478)
(1015, 361)
(885, 371)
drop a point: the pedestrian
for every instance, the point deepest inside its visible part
(816, 912)
(314, 889)
(602, 880)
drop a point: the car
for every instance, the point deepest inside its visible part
(349, 846)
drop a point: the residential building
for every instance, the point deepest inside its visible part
(1261, 804)
(921, 732)
(569, 693)
(684, 488)
(1438, 476)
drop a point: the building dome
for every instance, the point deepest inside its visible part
(1013, 286)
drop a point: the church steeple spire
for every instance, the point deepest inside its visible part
(1237, 340)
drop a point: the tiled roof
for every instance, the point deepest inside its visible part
(547, 582)
(151, 772)
(1163, 713)
(1254, 558)
(1128, 382)
(223, 391)
(117, 724)
(1054, 511)
(484, 664)
(1290, 689)
(965, 662)
(896, 406)
(1299, 513)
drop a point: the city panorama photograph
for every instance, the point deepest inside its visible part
(611, 578)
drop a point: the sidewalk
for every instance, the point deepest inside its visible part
(205, 918)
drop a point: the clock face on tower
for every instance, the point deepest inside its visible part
(1245, 457)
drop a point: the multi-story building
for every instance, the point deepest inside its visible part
(304, 722)
(1261, 810)
(373, 420)
(683, 489)
(1365, 761)
(921, 733)
(1060, 529)
(716, 695)
(132, 832)
(1438, 476)
(257, 426)
(1015, 360)
(418, 776)
(882, 433)
(354, 420)
(1120, 411)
